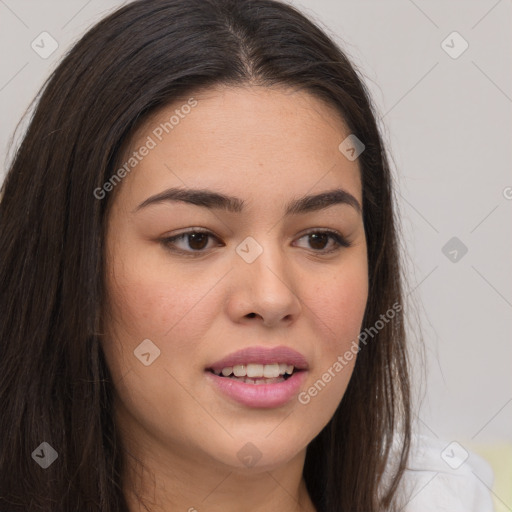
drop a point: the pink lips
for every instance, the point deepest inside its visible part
(260, 395)
(262, 355)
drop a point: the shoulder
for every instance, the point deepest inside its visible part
(445, 476)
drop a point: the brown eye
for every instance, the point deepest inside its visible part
(197, 241)
(319, 240)
(190, 242)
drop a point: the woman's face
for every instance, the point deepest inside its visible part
(255, 278)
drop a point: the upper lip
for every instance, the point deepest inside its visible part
(262, 355)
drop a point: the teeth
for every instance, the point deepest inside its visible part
(257, 382)
(271, 371)
(240, 370)
(254, 370)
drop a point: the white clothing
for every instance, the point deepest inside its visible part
(445, 476)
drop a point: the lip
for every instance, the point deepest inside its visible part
(260, 395)
(262, 355)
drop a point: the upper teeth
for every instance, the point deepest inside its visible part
(268, 371)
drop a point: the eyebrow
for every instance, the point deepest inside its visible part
(215, 200)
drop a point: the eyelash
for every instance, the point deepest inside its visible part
(341, 241)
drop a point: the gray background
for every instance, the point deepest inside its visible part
(448, 126)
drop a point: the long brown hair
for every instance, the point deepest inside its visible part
(54, 382)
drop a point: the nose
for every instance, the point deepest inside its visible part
(265, 290)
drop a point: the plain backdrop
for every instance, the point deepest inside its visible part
(447, 121)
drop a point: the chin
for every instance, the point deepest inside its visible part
(256, 452)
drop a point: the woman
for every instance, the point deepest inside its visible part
(200, 263)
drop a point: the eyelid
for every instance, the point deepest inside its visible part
(165, 241)
(341, 240)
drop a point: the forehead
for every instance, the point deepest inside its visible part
(252, 141)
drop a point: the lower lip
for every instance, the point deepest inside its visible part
(259, 395)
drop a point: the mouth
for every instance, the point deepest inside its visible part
(257, 373)
(259, 377)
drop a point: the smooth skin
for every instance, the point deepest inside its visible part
(198, 300)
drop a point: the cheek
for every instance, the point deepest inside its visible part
(148, 299)
(338, 304)
(170, 309)
(337, 309)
